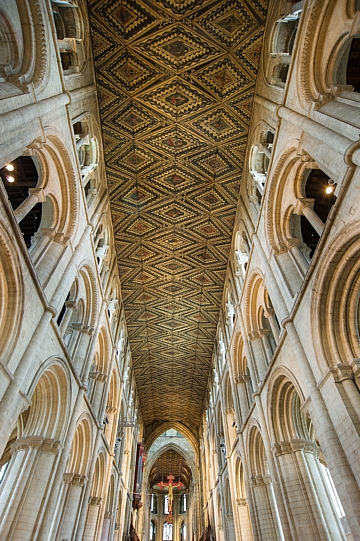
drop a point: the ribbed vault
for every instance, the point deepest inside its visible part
(175, 86)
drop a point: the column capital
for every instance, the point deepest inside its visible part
(303, 202)
(79, 480)
(67, 478)
(39, 192)
(110, 409)
(95, 501)
(23, 444)
(344, 371)
(253, 335)
(281, 448)
(52, 446)
(355, 365)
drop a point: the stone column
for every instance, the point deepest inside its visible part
(249, 493)
(278, 501)
(298, 250)
(310, 512)
(344, 479)
(87, 497)
(244, 406)
(92, 518)
(244, 519)
(108, 517)
(12, 403)
(84, 140)
(27, 486)
(36, 195)
(72, 489)
(304, 207)
(265, 341)
(70, 307)
(80, 354)
(270, 315)
(258, 354)
(264, 505)
(345, 376)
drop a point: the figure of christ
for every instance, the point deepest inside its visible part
(170, 485)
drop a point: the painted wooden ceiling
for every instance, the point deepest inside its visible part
(170, 462)
(175, 83)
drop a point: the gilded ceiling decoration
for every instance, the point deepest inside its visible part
(175, 87)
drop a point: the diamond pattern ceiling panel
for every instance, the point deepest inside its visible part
(175, 85)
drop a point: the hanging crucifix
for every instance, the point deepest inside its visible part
(170, 485)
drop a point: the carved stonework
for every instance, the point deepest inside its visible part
(51, 446)
(94, 500)
(23, 444)
(79, 480)
(344, 371)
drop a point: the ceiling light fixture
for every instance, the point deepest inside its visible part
(10, 178)
(331, 186)
(9, 167)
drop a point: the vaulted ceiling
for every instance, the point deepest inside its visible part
(175, 85)
(170, 462)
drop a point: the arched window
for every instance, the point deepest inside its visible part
(167, 532)
(153, 504)
(347, 71)
(183, 503)
(166, 505)
(183, 531)
(313, 209)
(259, 163)
(68, 26)
(282, 47)
(101, 245)
(264, 334)
(152, 531)
(20, 178)
(88, 153)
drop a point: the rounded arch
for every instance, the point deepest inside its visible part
(288, 422)
(89, 150)
(253, 289)
(61, 180)
(11, 294)
(99, 475)
(227, 393)
(240, 479)
(236, 354)
(50, 396)
(87, 274)
(281, 170)
(25, 48)
(72, 37)
(256, 451)
(321, 70)
(336, 300)
(81, 446)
